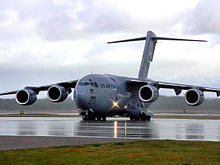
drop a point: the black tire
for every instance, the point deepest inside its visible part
(148, 118)
(99, 118)
(84, 117)
(131, 118)
(87, 117)
(137, 118)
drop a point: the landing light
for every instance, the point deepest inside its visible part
(115, 104)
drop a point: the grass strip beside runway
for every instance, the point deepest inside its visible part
(138, 152)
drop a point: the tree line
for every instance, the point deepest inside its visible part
(163, 103)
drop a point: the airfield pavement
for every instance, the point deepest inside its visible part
(40, 132)
(24, 142)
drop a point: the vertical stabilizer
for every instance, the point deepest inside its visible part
(148, 54)
(150, 43)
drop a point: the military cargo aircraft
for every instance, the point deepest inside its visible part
(101, 95)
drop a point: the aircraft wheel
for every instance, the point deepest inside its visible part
(98, 118)
(131, 118)
(137, 118)
(143, 117)
(84, 117)
(148, 118)
(87, 117)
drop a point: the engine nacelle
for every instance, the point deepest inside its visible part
(194, 97)
(26, 97)
(57, 93)
(148, 93)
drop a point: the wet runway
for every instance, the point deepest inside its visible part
(175, 129)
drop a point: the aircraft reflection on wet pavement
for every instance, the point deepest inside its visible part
(176, 129)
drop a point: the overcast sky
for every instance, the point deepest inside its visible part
(44, 42)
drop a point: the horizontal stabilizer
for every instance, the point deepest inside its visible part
(128, 40)
(177, 39)
(155, 38)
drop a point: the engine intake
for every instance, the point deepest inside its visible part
(194, 97)
(26, 97)
(57, 93)
(148, 93)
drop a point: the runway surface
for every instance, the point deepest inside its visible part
(175, 129)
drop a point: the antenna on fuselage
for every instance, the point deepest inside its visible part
(150, 43)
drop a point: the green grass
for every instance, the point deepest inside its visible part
(119, 153)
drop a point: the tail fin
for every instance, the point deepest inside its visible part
(150, 43)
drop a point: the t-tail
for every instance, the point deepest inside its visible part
(150, 43)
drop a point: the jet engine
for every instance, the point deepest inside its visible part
(26, 97)
(57, 93)
(194, 97)
(148, 93)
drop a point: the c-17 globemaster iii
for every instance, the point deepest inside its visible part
(102, 95)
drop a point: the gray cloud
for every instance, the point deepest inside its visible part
(204, 18)
(67, 20)
(32, 31)
(98, 17)
(14, 77)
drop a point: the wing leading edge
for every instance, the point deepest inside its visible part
(67, 85)
(175, 86)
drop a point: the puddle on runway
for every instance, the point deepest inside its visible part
(175, 129)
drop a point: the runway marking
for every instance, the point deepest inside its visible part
(112, 153)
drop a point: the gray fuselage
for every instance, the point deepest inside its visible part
(106, 95)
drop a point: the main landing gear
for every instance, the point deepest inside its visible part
(92, 117)
(143, 118)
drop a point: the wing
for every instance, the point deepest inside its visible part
(67, 85)
(175, 86)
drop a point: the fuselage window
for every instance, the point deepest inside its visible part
(80, 83)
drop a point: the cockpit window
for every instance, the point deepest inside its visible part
(96, 84)
(80, 83)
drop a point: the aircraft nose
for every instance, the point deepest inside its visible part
(81, 98)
